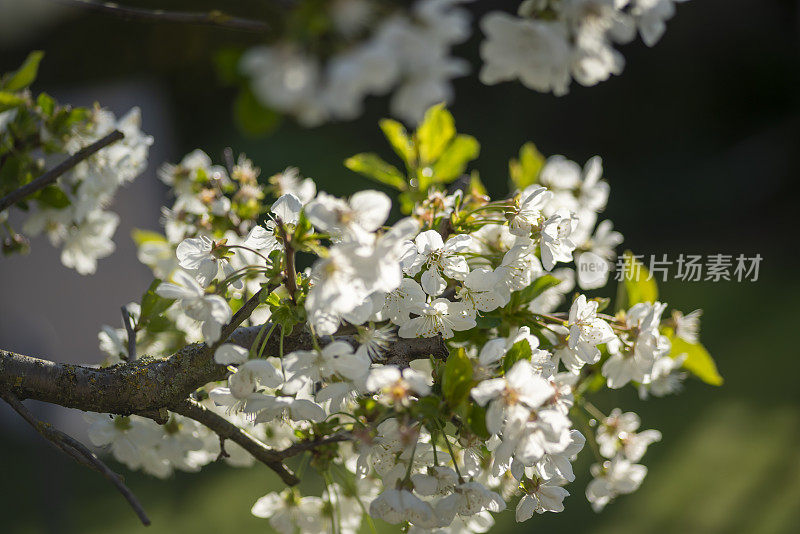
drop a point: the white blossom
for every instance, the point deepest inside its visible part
(614, 477)
(440, 316)
(438, 259)
(211, 310)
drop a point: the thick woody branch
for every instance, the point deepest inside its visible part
(77, 451)
(52, 175)
(212, 18)
(152, 384)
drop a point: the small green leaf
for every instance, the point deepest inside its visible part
(53, 197)
(457, 378)
(158, 324)
(525, 171)
(153, 305)
(521, 350)
(252, 117)
(453, 161)
(434, 134)
(372, 166)
(430, 407)
(486, 322)
(273, 300)
(398, 137)
(596, 383)
(539, 286)
(476, 421)
(9, 101)
(26, 74)
(226, 63)
(141, 237)
(286, 317)
(602, 303)
(698, 361)
(636, 287)
(46, 103)
(476, 187)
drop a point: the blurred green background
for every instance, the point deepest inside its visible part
(700, 138)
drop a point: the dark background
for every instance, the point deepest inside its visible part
(699, 137)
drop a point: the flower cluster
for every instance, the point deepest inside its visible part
(618, 440)
(552, 42)
(435, 439)
(37, 134)
(180, 444)
(363, 47)
(407, 52)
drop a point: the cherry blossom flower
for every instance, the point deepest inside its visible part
(211, 310)
(438, 259)
(440, 316)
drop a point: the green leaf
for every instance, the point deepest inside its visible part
(9, 101)
(159, 323)
(453, 161)
(525, 171)
(52, 196)
(430, 407)
(26, 74)
(398, 137)
(636, 287)
(286, 317)
(153, 305)
(476, 187)
(141, 237)
(539, 286)
(226, 63)
(698, 361)
(46, 103)
(485, 322)
(521, 350)
(372, 166)
(252, 117)
(457, 378)
(433, 135)
(476, 421)
(596, 383)
(602, 303)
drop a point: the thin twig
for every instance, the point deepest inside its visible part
(230, 164)
(303, 446)
(77, 451)
(52, 175)
(127, 320)
(290, 275)
(226, 430)
(241, 315)
(214, 18)
(222, 452)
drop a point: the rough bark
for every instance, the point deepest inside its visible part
(149, 385)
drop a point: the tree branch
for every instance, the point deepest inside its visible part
(77, 451)
(303, 446)
(241, 315)
(214, 18)
(127, 320)
(151, 384)
(52, 175)
(226, 430)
